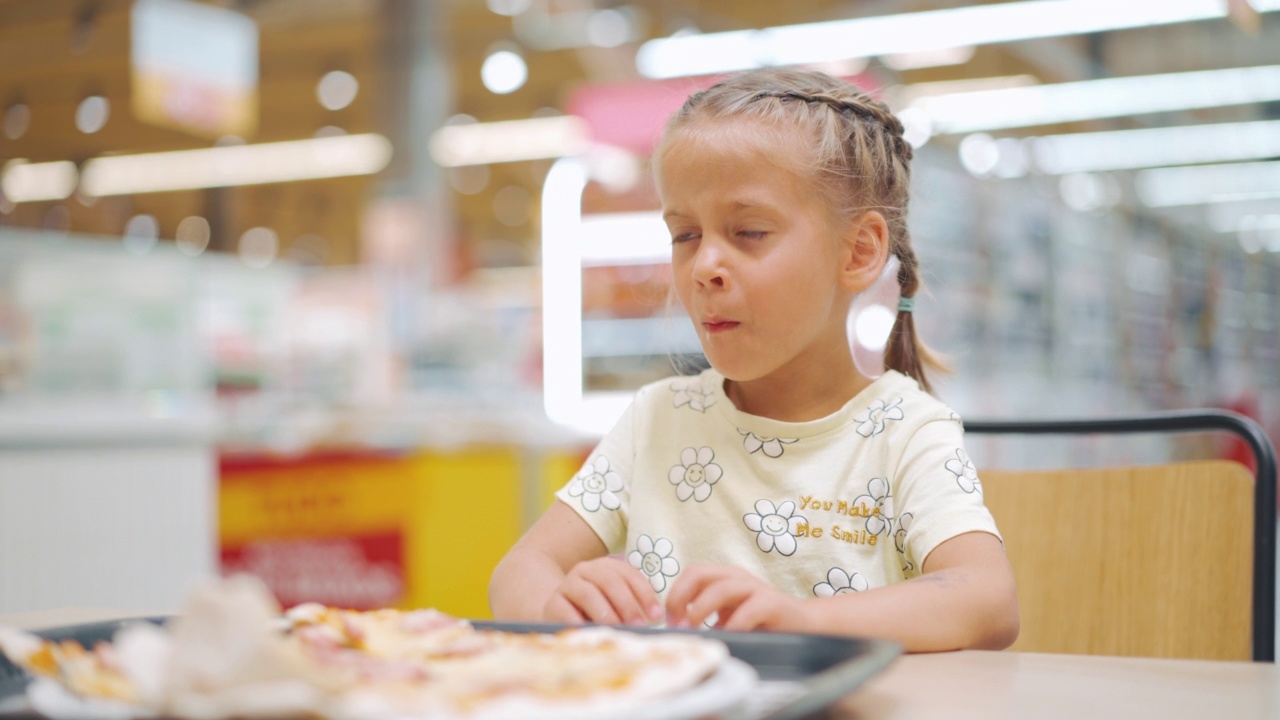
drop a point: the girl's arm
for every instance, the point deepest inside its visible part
(965, 599)
(559, 572)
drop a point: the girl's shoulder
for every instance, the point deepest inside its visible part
(893, 389)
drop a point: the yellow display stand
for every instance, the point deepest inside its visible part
(366, 530)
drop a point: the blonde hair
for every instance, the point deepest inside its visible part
(861, 158)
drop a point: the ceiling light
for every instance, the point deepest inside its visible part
(92, 114)
(509, 141)
(233, 166)
(914, 32)
(258, 247)
(638, 238)
(193, 235)
(979, 154)
(1167, 187)
(1156, 147)
(35, 182)
(1232, 216)
(1113, 97)
(509, 7)
(337, 89)
(141, 234)
(504, 72)
(929, 58)
(17, 118)
(872, 326)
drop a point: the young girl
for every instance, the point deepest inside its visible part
(782, 489)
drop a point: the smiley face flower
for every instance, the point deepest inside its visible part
(695, 474)
(775, 527)
(596, 485)
(872, 422)
(840, 582)
(654, 560)
(966, 474)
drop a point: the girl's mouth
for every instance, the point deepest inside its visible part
(719, 326)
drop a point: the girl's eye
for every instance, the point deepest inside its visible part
(682, 237)
(752, 234)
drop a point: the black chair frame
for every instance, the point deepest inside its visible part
(1264, 497)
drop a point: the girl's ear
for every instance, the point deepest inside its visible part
(866, 250)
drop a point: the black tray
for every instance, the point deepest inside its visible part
(800, 674)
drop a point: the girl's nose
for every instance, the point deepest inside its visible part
(708, 264)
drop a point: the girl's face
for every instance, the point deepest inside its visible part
(755, 253)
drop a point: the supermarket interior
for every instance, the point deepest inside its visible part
(340, 292)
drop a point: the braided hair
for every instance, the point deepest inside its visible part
(863, 162)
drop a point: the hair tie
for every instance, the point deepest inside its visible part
(906, 304)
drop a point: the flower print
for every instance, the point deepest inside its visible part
(872, 421)
(900, 541)
(880, 519)
(771, 446)
(597, 485)
(775, 527)
(654, 560)
(695, 474)
(692, 394)
(840, 582)
(966, 474)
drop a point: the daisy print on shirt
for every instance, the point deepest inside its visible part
(776, 527)
(881, 518)
(695, 474)
(900, 541)
(872, 422)
(966, 474)
(596, 485)
(654, 560)
(691, 394)
(771, 447)
(840, 582)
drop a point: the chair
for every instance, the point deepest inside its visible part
(1142, 561)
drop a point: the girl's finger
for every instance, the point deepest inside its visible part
(560, 610)
(591, 602)
(721, 597)
(624, 592)
(690, 583)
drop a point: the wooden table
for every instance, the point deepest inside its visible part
(997, 685)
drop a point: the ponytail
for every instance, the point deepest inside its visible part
(905, 351)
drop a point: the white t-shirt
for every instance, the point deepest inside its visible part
(852, 501)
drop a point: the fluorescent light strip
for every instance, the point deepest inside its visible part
(640, 238)
(1090, 99)
(509, 141)
(312, 159)
(562, 290)
(570, 242)
(914, 32)
(35, 182)
(1156, 147)
(1196, 185)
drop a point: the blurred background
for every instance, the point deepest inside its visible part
(338, 292)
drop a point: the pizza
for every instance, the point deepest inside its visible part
(230, 653)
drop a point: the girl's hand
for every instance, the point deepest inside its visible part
(742, 601)
(605, 590)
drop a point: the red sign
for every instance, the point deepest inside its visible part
(356, 572)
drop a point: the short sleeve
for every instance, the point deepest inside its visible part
(601, 490)
(939, 495)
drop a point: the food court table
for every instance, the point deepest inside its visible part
(997, 685)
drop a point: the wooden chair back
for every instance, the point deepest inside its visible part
(1153, 561)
